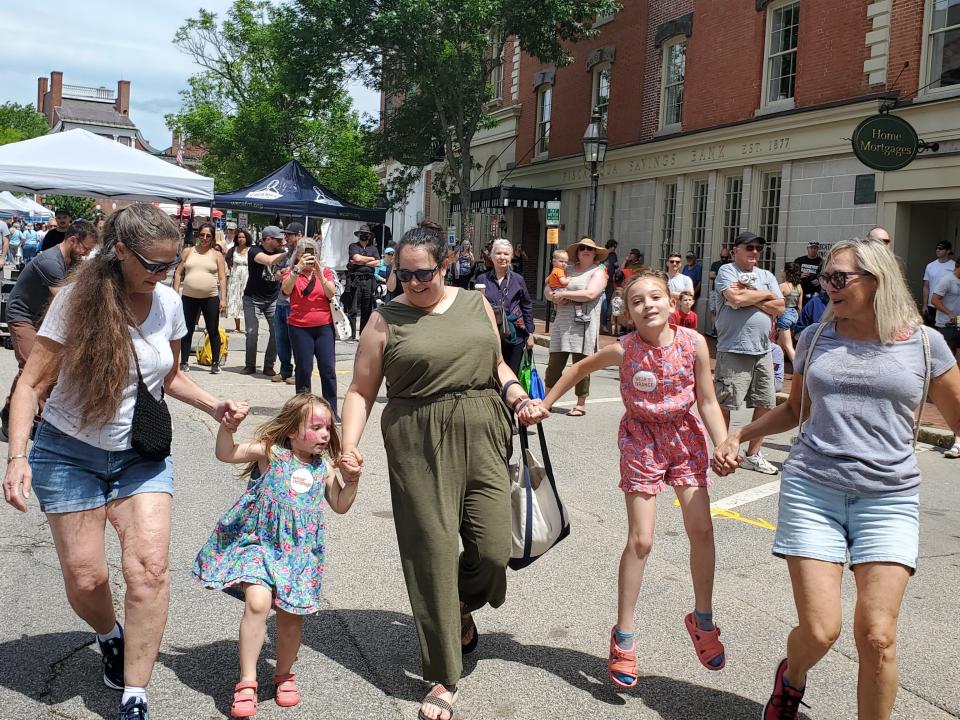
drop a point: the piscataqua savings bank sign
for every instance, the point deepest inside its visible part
(887, 142)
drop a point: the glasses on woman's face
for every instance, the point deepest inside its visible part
(152, 266)
(423, 275)
(838, 278)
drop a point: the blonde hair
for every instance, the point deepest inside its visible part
(294, 414)
(558, 254)
(893, 304)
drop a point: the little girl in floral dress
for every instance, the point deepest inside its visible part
(269, 547)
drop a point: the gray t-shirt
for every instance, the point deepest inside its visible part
(863, 402)
(948, 288)
(31, 295)
(284, 300)
(744, 330)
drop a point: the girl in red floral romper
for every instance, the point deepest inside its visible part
(663, 370)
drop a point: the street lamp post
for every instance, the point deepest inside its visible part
(594, 153)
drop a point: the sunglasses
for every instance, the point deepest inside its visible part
(838, 278)
(423, 275)
(752, 248)
(153, 267)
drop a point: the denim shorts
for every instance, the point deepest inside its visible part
(824, 524)
(70, 475)
(788, 319)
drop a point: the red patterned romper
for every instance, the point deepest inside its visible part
(661, 442)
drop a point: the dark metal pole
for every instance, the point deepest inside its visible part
(595, 185)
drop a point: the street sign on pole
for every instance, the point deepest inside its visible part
(553, 236)
(452, 235)
(553, 213)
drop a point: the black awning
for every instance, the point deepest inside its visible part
(506, 196)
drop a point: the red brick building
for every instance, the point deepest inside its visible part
(730, 114)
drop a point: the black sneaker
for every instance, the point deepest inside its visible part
(215, 369)
(133, 709)
(185, 367)
(111, 653)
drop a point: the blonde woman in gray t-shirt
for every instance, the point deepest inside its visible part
(849, 491)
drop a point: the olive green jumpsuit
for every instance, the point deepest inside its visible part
(448, 440)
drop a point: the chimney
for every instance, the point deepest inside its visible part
(56, 95)
(123, 97)
(41, 91)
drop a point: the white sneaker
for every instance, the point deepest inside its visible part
(953, 452)
(758, 463)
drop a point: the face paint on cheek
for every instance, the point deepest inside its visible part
(318, 436)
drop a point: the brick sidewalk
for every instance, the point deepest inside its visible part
(934, 429)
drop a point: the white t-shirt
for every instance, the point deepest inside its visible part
(948, 288)
(164, 323)
(936, 270)
(680, 282)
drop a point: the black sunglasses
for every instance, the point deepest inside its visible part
(423, 275)
(153, 267)
(838, 278)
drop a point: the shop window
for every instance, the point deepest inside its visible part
(943, 44)
(732, 202)
(671, 95)
(668, 221)
(544, 113)
(698, 217)
(783, 26)
(770, 184)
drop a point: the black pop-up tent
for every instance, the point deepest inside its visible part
(292, 190)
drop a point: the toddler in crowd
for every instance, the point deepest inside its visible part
(616, 311)
(664, 369)
(684, 316)
(558, 280)
(269, 547)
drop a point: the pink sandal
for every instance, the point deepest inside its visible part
(707, 644)
(288, 694)
(621, 662)
(244, 703)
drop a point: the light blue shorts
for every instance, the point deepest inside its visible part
(70, 475)
(824, 524)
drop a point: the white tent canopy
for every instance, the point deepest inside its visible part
(10, 203)
(34, 208)
(78, 162)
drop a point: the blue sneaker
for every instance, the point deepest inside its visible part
(133, 709)
(111, 653)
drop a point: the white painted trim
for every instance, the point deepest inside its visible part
(765, 104)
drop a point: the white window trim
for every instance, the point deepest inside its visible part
(931, 92)
(658, 215)
(665, 51)
(596, 88)
(538, 153)
(766, 105)
(603, 19)
(720, 206)
(707, 220)
(497, 38)
(759, 171)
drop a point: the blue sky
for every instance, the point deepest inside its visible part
(96, 43)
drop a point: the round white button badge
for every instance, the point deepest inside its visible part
(301, 481)
(645, 381)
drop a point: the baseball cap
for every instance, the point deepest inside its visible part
(62, 211)
(944, 245)
(231, 225)
(294, 228)
(691, 253)
(272, 231)
(747, 236)
(389, 251)
(813, 243)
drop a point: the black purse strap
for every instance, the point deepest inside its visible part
(136, 362)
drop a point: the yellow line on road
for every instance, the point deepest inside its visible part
(723, 514)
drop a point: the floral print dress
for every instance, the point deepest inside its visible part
(272, 536)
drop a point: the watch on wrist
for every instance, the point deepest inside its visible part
(295, 270)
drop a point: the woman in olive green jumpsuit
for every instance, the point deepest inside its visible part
(447, 434)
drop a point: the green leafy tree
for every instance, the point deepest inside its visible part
(20, 122)
(252, 110)
(78, 207)
(432, 60)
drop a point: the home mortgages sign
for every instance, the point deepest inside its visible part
(885, 142)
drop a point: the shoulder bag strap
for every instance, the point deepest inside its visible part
(806, 369)
(926, 384)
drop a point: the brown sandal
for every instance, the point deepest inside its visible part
(433, 698)
(577, 412)
(467, 625)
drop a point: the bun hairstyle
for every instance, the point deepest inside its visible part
(427, 235)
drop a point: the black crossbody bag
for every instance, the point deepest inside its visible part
(151, 432)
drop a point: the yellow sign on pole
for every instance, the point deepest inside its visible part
(553, 236)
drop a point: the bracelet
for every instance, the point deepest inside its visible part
(523, 402)
(520, 400)
(11, 458)
(506, 386)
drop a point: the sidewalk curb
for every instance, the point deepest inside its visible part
(930, 435)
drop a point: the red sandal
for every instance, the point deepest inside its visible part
(244, 703)
(706, 643)
(621, 662)
(287, 692)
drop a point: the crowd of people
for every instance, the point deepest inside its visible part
(449, 351)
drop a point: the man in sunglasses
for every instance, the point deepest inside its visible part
(946, 299)
(749, 301)
(38, 283)
(810, 265)
(941, 267)
(260, 296)
(364, 258)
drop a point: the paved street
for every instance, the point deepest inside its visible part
(542, 655)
